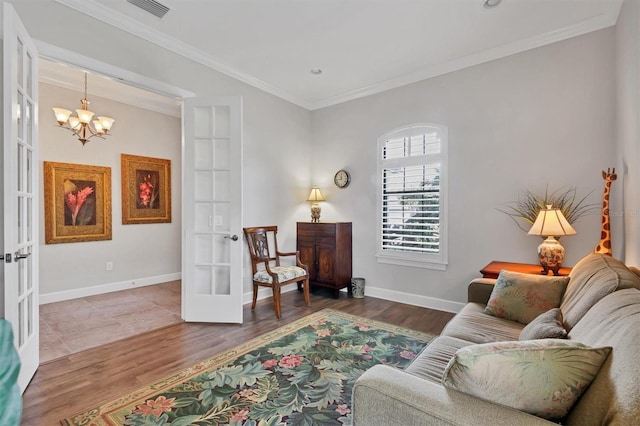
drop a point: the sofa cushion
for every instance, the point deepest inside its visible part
(547, 325)
(541, 377)
(593, 277)
(432, 361)
(614, 396)
(522, 297)
(473, 325)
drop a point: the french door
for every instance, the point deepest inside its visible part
(21, 184)
(212, 210)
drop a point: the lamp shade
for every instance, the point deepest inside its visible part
(315, 195)
(552, 222)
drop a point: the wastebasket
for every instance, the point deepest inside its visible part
(357, 286)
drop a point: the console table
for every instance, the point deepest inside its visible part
(492, 270)
(325, 248)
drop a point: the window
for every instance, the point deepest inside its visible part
(412, 165)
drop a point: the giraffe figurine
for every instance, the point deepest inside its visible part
(604, 246)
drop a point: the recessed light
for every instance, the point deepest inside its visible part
(491, 3)
(316, 71)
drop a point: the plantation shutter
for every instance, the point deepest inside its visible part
(411, 209)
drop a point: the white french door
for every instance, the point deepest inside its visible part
(212, 210)
(20, 183)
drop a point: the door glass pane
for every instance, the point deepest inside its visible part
(19, 60)
(28, 270)
(203, 125)
(203, 249)
(29, 70)
(20, 107)
(221, 217)
(20, 170)
(29, 221)
(29, 123)
(204, 218)
(222, 182)
(221, 155)
(203, 280)
(30, 314)
(203, 154)
(223, 280)
(21, 277)
(203, 190)
(20, 206)
(222, 122)
(221, 251)
(21, 336)
(29, 171)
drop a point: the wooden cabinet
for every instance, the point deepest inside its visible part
(325, 248)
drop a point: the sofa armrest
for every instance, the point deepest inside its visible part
(479, 290)
(384, 395)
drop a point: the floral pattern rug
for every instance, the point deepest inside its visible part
(299, 374)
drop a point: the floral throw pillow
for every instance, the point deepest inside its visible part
(547, 325)
(541, 377)
(522, 297)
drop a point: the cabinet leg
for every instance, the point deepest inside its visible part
(336, 293)
(350, 289)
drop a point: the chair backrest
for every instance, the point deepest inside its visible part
(258, 239)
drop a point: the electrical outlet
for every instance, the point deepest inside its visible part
(109, 266)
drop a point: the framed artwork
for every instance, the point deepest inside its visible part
(77, 203)
(146, 190)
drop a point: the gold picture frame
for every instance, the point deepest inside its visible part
(77, 203)
(146, 189)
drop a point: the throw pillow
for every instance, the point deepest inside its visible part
(522, 297)
(541, 377)
(547, 325)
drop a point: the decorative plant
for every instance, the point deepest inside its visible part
(529, 205)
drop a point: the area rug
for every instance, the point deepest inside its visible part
(299, 374)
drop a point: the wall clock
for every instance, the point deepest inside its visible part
(342, 179)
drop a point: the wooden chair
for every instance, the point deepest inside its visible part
(267, 271)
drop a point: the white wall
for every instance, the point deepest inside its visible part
(139, 252)
(546, 116)
(628, 122)
(276, 133)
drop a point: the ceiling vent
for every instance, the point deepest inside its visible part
(151, 6)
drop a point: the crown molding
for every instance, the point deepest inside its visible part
(594, 24)
(102, 13)
(116, 19)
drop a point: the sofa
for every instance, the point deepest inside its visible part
(599, 310)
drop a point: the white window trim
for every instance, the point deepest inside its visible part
(437, 261)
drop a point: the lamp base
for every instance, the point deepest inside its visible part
(550, 255)
(315, 213)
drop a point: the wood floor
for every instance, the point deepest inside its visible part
(67, 385)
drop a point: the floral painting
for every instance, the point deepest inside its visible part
(77, 203)
(300, 374)
(146, 189)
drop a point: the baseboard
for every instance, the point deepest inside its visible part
(414, 299)
(380, 293)
(59, 296)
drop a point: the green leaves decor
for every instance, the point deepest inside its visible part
(529, 204)
(300, 374)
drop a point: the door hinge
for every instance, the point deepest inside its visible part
(7, 258)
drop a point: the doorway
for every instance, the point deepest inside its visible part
(94, 277)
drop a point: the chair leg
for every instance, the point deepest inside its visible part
(276, 299)
(305, 284)
(255, 296)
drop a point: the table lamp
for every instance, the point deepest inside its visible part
(314, 197)
(551, 223)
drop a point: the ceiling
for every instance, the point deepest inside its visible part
(361, 46)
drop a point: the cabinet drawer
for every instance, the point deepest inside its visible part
(316, 230)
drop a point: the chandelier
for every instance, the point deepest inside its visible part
(82, 126)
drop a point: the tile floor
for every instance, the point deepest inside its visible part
(74, 325)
